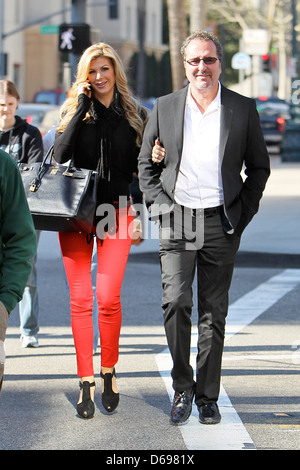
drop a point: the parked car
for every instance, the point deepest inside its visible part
(148, 103)
(43, 116)
(273, 113)
(56, 96)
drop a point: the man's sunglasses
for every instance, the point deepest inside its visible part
(207, 60)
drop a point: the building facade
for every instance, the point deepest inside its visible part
(30, 37)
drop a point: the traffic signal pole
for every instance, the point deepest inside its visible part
(78, 15)
(74, 37)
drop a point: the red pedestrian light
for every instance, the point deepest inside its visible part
(266, 62)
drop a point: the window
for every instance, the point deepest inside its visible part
(113, 9)
(128, 23)
(17, 75)
(17, 11)
(154, 28)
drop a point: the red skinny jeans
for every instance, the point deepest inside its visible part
(112, 255)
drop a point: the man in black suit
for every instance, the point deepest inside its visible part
(192, 182)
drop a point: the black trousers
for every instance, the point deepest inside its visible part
(212, 257)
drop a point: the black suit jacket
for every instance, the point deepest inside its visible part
(241, 146)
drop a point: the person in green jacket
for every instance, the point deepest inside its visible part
(17, 244)
(23, 142)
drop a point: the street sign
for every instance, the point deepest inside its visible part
(73, 37)
(241, 61)
(49, 29)
(255, 41)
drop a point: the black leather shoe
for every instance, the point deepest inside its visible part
(182, 405)
(110, 399)
(86, 408)
(209, 414)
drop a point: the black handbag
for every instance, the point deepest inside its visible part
(60, 198)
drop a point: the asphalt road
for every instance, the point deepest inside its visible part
(260, 373)
(260, 380)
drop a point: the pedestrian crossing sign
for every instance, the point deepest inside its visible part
(73, 38)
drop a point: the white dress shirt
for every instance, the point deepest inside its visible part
(199, 182)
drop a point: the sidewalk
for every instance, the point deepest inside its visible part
(275, 229)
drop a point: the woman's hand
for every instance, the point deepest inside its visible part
(85, 88)
(137, 232)
(158, 152)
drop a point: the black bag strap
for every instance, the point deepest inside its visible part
(71, 171)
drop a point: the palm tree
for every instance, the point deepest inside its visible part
(141, 83)
(177, 32)
(197, 14)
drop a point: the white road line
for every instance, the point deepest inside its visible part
(253, 304)
(259, 357)
(230, 434)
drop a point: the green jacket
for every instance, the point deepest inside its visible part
(17, 234)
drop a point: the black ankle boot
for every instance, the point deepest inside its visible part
(110, 399)
(86, 408)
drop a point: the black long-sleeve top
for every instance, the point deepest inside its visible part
(107, 136)
(23, 142)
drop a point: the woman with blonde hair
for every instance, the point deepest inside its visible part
(101, 127)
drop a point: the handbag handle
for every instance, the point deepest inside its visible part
(35, 184)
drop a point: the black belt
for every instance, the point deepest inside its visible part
(208, 212)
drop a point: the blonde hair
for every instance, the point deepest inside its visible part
(129, 104)
(9, 88)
